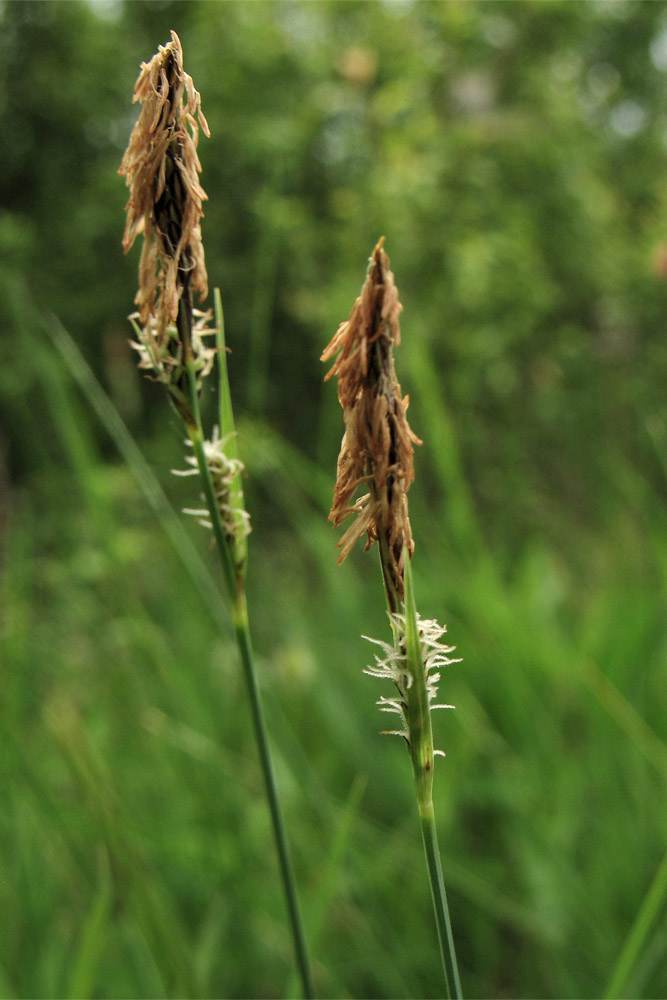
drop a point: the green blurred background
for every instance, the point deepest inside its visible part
(514, 155)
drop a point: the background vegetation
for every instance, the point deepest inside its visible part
(514, 155)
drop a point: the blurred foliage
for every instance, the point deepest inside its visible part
(514, 156)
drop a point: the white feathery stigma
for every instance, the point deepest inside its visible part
(223, 471)
(393, 666)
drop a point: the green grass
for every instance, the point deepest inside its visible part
(526, 224)
(132, 795)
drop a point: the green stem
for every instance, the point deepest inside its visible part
(447, 951)
(422, 757)
(236, 591)
(242, 630)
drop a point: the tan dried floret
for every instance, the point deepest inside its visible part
(162, 169)
(376, 452)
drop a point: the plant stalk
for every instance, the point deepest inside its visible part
(439, 895)
(422, 756)
(234, 582)
(242, 631)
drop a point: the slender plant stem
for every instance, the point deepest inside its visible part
(447, 952)
(422, 757)
(241, 627)
(234, 583)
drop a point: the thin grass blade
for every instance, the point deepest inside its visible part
(639, 932)
(146, 480)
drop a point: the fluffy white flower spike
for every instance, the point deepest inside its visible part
(393, 666)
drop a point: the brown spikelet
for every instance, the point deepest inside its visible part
(162, 169)
(376, 452)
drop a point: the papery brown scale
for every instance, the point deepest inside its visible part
(166, 130)
(377, 446)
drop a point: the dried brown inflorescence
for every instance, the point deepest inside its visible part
(162, 170)
(376, 452)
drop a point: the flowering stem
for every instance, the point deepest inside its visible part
(234, 581)
(162, 169)
(447, 951)
(377, 450)
(422, 757)
(242, 630)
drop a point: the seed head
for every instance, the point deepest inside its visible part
(376, 451)
(162, 170)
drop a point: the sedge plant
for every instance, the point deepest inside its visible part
(179, 345)
(375, 470)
